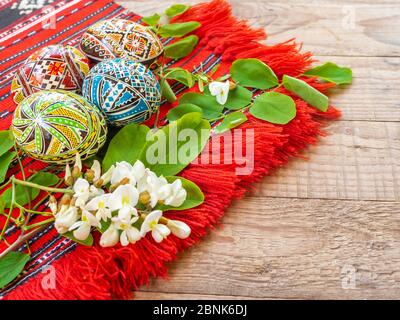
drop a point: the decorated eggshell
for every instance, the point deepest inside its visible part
(124, 90)
(54, 125)
(119, 38)
(51, 67)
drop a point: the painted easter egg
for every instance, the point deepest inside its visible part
(52, 67)
(124, 90)
(119, 38)
(52, 126)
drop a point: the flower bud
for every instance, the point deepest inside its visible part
(99, 183)
(66, 199)
(89, 175)
(106, 177)
(144, 198)
(110, 237)
(124, 181)
(179, 229)
(52, 204)
(76, 172)
(70, 181)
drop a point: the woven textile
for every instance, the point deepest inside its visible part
(99, 273)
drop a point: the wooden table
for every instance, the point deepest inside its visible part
(329, 227)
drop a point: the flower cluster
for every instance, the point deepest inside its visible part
(123, 203)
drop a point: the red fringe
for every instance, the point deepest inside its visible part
(98, 273)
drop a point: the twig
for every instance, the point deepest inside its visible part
(21, 240)
(34, 185)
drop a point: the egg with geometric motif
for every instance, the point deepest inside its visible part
(52, 126)
(49, 68)
(124, 90)
(120, 38)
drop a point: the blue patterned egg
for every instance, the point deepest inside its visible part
(124, 90)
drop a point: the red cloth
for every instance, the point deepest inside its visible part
(99, 273)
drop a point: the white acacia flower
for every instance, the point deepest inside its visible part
(155, 187)
(65, 219)
(220, 90)
(129, 233)
(174, 194)
(106, 177)
(179, 228)
(124, 199)
(96, 168)
(81, 229)
(123, 170)
(110, 237)
(142, 184)
(95, 192)
(81, 191)
(138, 170)
(158, 231)
(100, 204)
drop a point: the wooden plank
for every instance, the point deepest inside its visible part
(293, 248)
(358, 160)
(149, 295)
(361, 28)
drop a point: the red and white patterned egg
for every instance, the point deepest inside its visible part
(120, 38)
(52, 67)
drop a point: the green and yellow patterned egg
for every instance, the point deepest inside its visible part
(53, 125)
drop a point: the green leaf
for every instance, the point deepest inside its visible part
(332, 73)
(25, 194)
(174, 146)
(176, 9)
(181, 48)
(178, 29)
(209, 105)
(126, 145)
(231, 121)
(152, 20)
(2, 204)
(5, 161)
(309, 94)
(274, 107)
(46, 179)
(253, 73)
(194, 198)
(104, 225)
(182, 109)
(237, 98)
(6, 141)
(166, 90)
(181, 75)
(11, 266)
(88, 242)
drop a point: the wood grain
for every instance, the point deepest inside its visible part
(294, 249)
(303, 227)
(359, 160)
